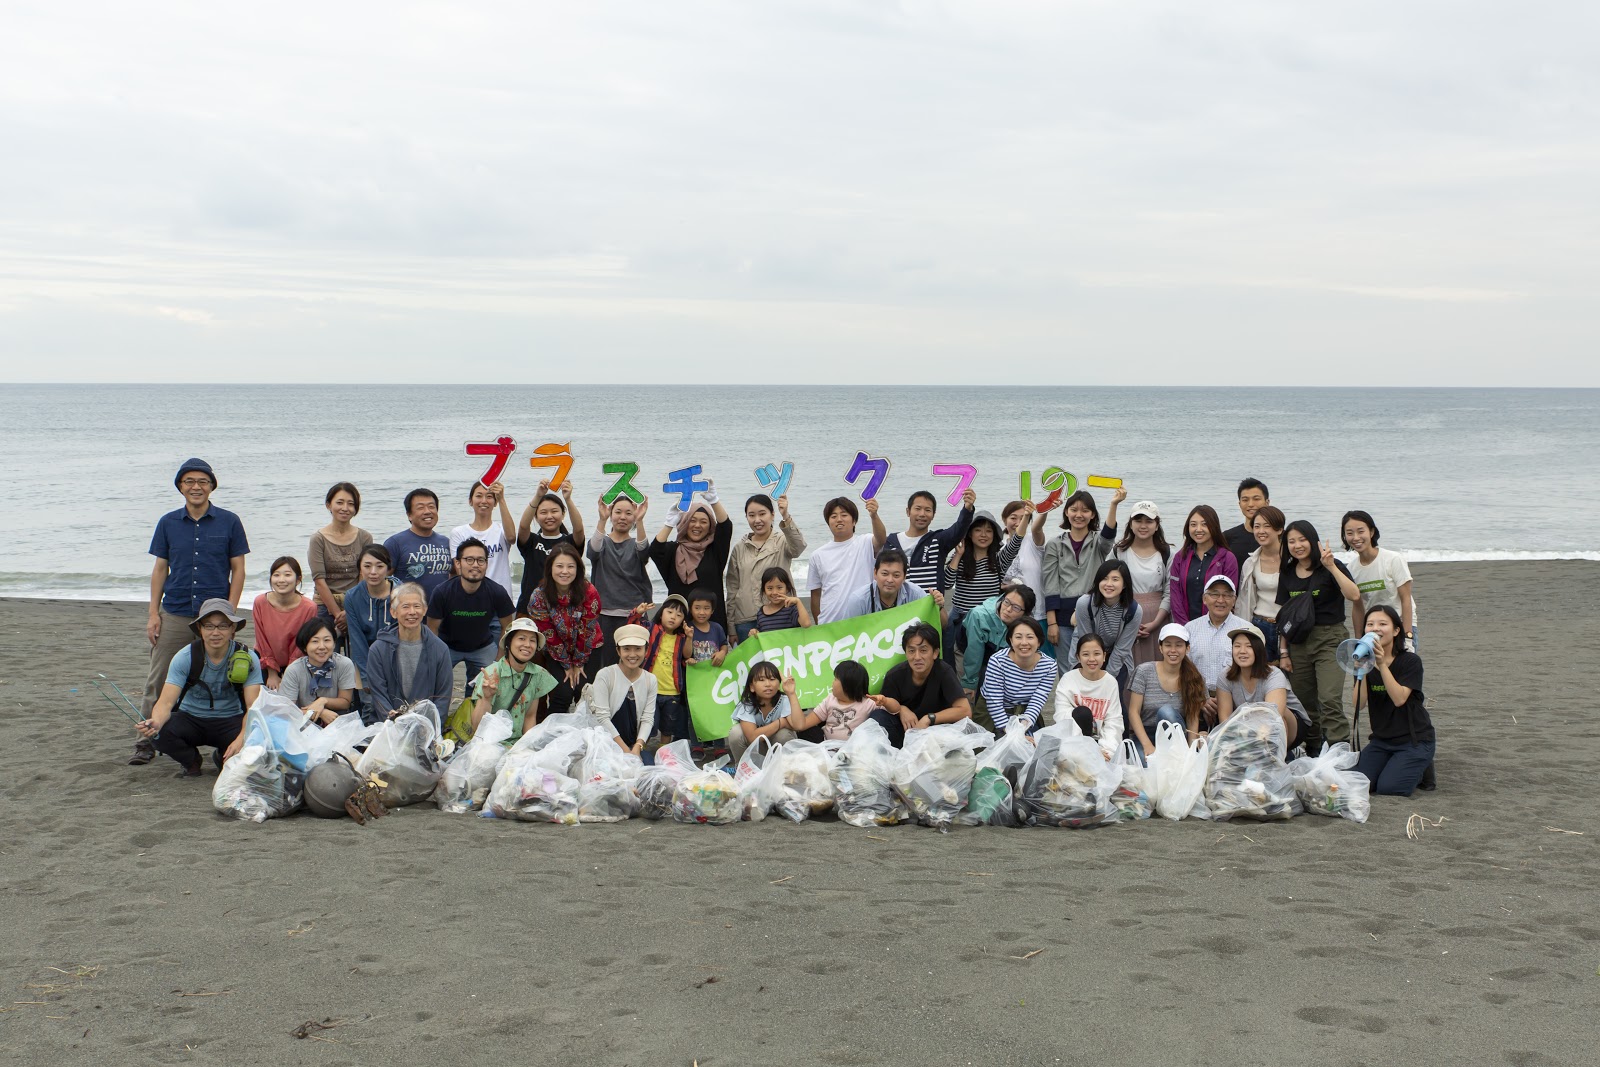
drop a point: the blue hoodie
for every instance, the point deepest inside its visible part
(366, 619)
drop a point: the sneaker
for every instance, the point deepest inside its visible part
(191, 772)
(144, 750)
(1428, 783)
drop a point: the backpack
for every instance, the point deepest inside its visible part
(197, 664)
(458, 727)
(1297, 617)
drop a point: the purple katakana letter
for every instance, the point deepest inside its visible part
(877, 469)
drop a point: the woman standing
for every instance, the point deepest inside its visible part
(1381, 574)
(566, 607)
(1145, 550)
(335, 553)
(754, 554)
(277, 616)
(698, 557)
(1311, 665)
(497, 537)
(1258, 577)
(1071, 559)
(972, 572)
(1204, 556)
(1019, 679)
(541, 528)
(1398, 756)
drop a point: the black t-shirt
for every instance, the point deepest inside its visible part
(464, 617)
(941, 690)
(535, 552)
(1409, 721)
(1323, 587)
(1241, 542)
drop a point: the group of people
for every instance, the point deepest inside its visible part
(1111, 627)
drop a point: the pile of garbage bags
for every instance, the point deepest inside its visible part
(469, 774)
(407, 753)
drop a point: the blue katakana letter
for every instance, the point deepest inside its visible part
(772, 478)
(685, 482)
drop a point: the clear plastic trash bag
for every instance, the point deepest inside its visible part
(405, 754)
(469, 774)
(1246, 776)
(707, 796)
(863, 779)
(757, 794)
(802, 784)
(1068, 782)
(605, 790)
(992, 799)
(1328, 784)
(258, 783)
(656, 784)
(345, 734)
(933, 774)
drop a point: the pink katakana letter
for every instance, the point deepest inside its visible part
(964, 472)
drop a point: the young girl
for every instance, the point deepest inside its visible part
(1203, 557)
(1254, 680)
(974, 569)
(1312, 666)
(666, 656)
(1171, 689)
(540, 530)
(757, 554)
(334, 554)
(1017, 679)
(321, 683)
(366, 604)
(1090, 696)
(781, 608)
(842, 710)
(1071, 559)
(1145, 550)
(277, 616)
(1258, 576)
(567, 608)
(622, 700)
(1113, 613)
(497, 537)
(698, 557)
(762, 710)
(1381, 574)
(1398, 756)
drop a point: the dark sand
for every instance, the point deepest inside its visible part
(442, 939)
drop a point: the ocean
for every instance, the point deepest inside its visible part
(1449, 474)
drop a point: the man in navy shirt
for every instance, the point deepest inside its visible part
(199, 551)
(469, 612)
(417, 553)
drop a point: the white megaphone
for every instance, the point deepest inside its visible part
(1356, 656)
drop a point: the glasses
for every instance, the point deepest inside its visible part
(195, 483)
(216, 627)
(1010, 605)
(479, 560)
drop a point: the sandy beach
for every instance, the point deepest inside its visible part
(143, 927)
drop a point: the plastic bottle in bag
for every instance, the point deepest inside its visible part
(1069, 782)
(933, 776)
(1328, 784)
(257, 784)
(992, 799)
(1246, 776)
(863, 779)
(469, 774)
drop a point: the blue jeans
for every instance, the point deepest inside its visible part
(1269, 634)
(476, 660)
(741, 630)
(1395, 768)
(1151, 718)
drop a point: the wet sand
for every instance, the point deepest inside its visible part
(435, 938)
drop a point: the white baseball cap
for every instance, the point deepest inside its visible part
(1146, 508)
(1173, 629)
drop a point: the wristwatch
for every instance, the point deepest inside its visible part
(929, 719)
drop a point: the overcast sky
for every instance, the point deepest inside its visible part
(1062, 193)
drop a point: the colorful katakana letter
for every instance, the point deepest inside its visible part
(1100, 481)
(963, 472)
(1056, 482)
(626, 472)
(500, 448)
(685, 482)
(557, 456)
(775, 480)
(877, 469)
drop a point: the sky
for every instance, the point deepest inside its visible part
(1258, 193)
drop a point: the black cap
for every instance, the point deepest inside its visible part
(195, 464)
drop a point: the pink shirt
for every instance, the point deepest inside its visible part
(276, 630)
(839, 720)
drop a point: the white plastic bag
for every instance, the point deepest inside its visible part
(345, 734)
(405, 754)
(1328, 784)
(756, 793)
(863, 778)
(1132, 797)
(1068, 782)
(1246, 776)
(1177, 774)
(469, 774)
(605, 790)
(992, 799)
(258, 784)
(802, 785)
(933, 775)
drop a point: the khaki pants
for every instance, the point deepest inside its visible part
(175, 634)
(1319, 683)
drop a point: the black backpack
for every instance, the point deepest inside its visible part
(1297, 617)
(197, 663)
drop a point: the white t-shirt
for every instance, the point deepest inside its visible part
(839, 568)
(1149, 574)
(1028, 568)
(1380, 580)
(1101, 697)
(494, 539)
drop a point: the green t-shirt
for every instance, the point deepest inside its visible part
(539, 683)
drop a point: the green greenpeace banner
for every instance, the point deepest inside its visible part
(809, 654)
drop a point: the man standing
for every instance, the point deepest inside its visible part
(925, 552)
(1252, 498)
(199, 551)
(463, 610)
(418, 554)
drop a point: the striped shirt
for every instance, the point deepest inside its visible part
(968, 593)
(1007, 686)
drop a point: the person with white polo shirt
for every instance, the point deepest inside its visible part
(1210, 647)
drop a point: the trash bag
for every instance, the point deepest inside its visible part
(605, 790)
(406, 754)
(707, 796)
(933, 775)
(863, 779)
(1246, 777)
(992, 799)
(290, 729)
(1328, 784)
(802, 786)
(1068, 782)
(345, 734)
(757, 794)
(1177, 773)
(1132, 799)
(531, 793)
(656, 784)
(258, 783)
(469, 774)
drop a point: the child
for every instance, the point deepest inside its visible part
(708, 638)
(762, 711)
(622, 700)
(843, 565)
(841, 711)
(780, 609)
(665, 657)
(1091, 698)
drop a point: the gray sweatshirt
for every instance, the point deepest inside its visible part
(616, 570)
